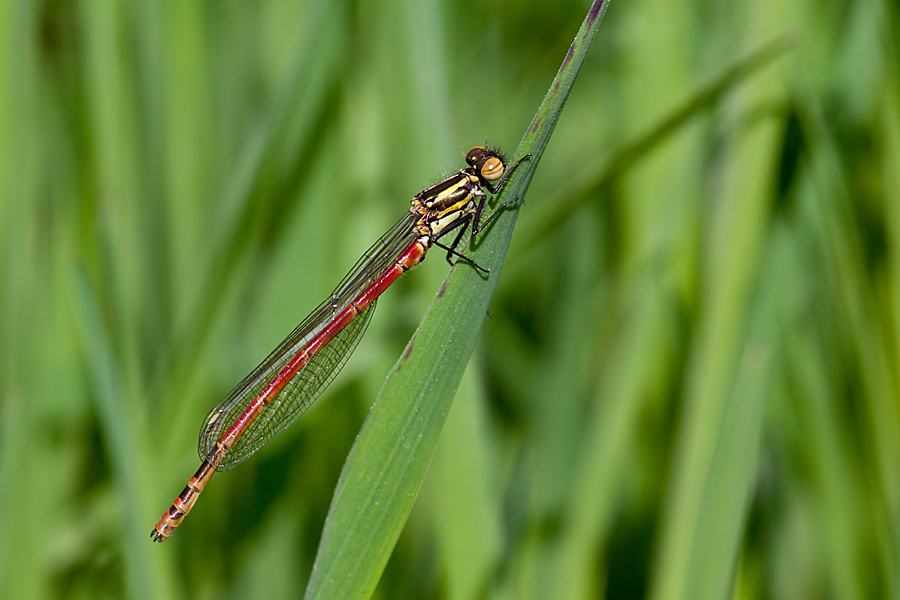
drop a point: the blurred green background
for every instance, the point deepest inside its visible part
(688, 386)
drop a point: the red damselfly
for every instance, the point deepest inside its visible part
(290, 379)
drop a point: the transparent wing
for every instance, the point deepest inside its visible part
(309, 382)
(298, 395)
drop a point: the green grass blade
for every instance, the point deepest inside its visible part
(388, 462)
(737, 244)
(623, 389)
(146, 575)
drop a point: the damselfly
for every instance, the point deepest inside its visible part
(290, 379)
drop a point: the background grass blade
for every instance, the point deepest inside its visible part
(600, 173)
(388, 462)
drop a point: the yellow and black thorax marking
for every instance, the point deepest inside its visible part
(448, 202)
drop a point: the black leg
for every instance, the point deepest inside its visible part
(451, 251)
(459, 223)
(460, 257)
(455, 244)
(476, 228)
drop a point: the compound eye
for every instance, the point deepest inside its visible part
(474, 154)
(492, 169)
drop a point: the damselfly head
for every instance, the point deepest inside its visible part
(487, 163)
